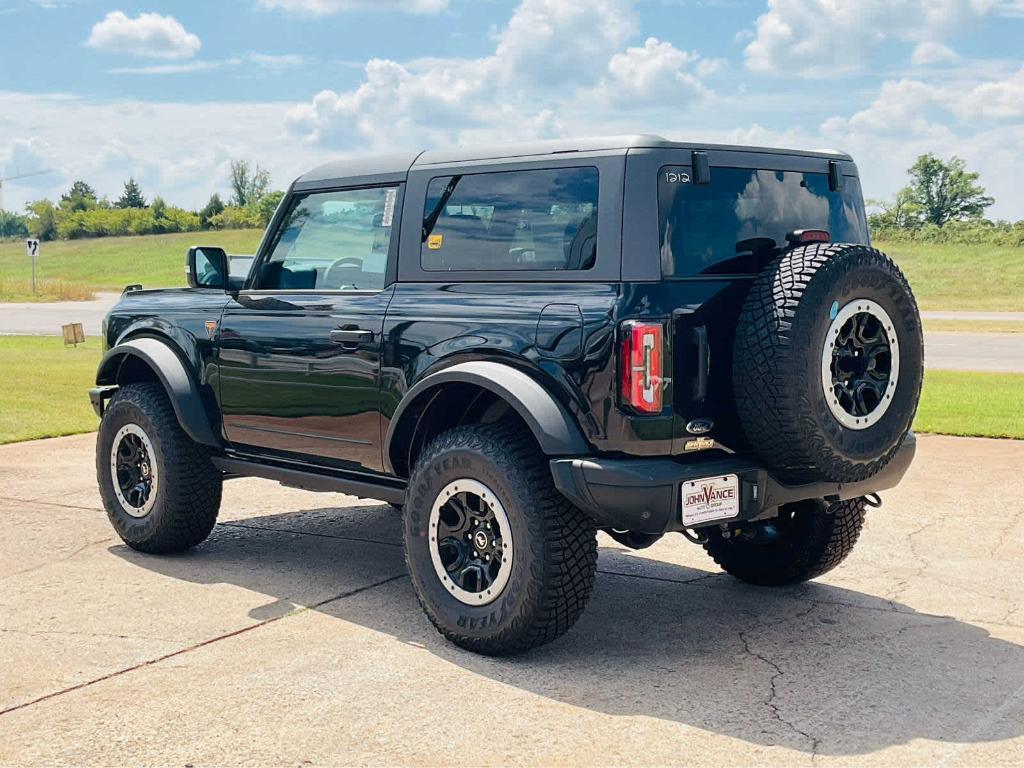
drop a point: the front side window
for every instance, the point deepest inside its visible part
(515, 220)
(333, 241)
(729, 224)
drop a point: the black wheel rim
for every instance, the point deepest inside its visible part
(134, 470)
(861, 364)
(471, 543)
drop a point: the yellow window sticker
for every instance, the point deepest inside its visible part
(434, 242)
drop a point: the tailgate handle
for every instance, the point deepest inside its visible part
(700, 383)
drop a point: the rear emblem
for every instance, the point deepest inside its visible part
(700, 426)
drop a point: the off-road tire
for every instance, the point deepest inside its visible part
(777, 359)
(555, 544)
(189, 492)
(813, 539)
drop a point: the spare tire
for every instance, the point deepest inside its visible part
(828, 362)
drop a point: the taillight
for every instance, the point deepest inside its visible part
(641, 358)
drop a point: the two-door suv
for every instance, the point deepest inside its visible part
(523, 345)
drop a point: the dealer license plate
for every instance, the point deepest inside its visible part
(710, 498)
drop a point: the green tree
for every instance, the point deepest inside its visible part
(12, 225)
(945, 191)
(248, 184)
(81, 197)
(132, 196)
(901, 213)
(213, 207)
(42, 220)
(266, 206)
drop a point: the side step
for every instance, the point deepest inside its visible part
(391, 491)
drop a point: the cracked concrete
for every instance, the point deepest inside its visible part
(292, 636)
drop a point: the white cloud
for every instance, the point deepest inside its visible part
(655, 69)
(149, 34)
(994, 100)
(821, 38)
(326, 7)
(181, 151)
(931, 52)
(173, 69)
(269, 62)
(555, 65)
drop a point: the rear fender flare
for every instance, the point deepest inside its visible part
(551, 424)
(181, 387)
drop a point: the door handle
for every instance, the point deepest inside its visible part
(351, 337)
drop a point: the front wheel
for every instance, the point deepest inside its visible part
(160, 489)
(807, 539)
(499, 560)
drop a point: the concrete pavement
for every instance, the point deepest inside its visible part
(292, 637)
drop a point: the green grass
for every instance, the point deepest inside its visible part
(109, 263)
(968, 403)
(964, 277)
(45, 387)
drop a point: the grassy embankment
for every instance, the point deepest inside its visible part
(76, 269)
(947, 277)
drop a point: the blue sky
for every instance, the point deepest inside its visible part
(171, 92)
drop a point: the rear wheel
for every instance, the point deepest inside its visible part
(159, 487)
(807, 539)
(500, 561)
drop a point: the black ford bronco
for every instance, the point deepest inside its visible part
(522, 346)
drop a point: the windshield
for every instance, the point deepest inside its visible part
(743, 214)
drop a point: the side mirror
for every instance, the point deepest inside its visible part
(207, 267)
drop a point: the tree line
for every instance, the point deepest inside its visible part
(81, 213)
(941, 203)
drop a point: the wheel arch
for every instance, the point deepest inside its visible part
(150, 359)
(487, 383)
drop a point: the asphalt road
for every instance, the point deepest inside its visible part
(292, 637)
(46, 318)
(952, 351)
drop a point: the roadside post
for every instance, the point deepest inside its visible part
(32, 248)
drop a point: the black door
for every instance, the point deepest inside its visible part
(300, 350)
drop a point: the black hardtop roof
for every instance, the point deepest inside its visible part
(385, 167)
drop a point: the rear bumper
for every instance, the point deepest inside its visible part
(643, 495)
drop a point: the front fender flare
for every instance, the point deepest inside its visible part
(181, 388)
(551, 424)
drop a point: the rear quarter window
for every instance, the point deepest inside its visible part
(544, 219)
(711, 228)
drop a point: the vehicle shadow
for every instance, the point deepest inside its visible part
(815, 667)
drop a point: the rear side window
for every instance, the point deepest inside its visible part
(515, 220)
(731, 223)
